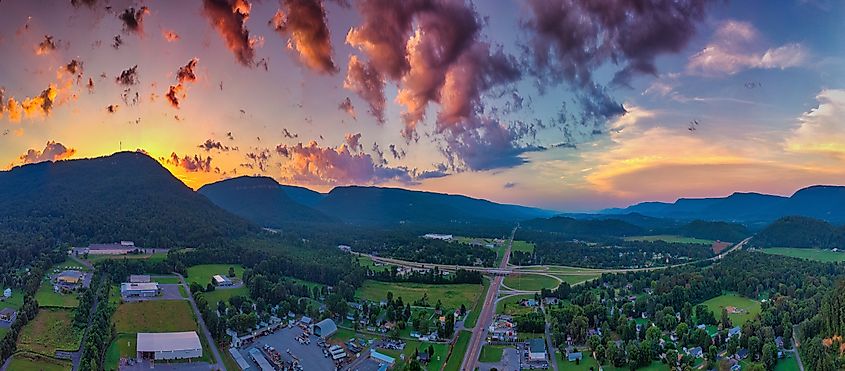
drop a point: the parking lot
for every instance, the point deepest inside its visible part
(310, 356)
(509, 362)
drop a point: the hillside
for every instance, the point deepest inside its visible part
(723, 231)
(584, 228)
(125, 196)
(262, 201)
(797, 231)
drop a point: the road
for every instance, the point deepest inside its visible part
(486, 314)
(209, 340)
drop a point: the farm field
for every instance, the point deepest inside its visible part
(510, 305)
(530, 282)
(748, 308)
(670, 238)
(51, 330)
(522, 246)
(586, 363)
(809, 254)
(155, 316)
(31, 361)
(475, 310)
(451, 296)
(152, 257)
(457, 357)
(202, 274)
(491, 353)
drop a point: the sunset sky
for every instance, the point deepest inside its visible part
(562, 104)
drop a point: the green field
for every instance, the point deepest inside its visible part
(183, 291)
(224, 294)
(787, 363)
(749, 308)
(202, 274)
(165, 280)
(671, 238)
(491, 353)
(451, 296)
(31, 361)
(51, 330)
(152, 257)
(155, 316)
(585, 364)
(46, 297)
(522, 246)
(809, 254)
(123, 346)
(530, 282)
(457, 357)
(511, 307)
(575, 279)
(412, 345)
(475, 310)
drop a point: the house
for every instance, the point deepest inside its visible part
(7, 293)
(551, 301)
(735, 331)
(424, 357)
(345, 248)
(696, 352)
(325, 328)
(536, 350)
(779, 342)
(69, 277)
(239, 359)
(574, 356)
(139, 278)
(742, 353)
(144, 290)
(529, 303)
(169, 345)
(220, 280)
(8, 315)
(736, 367)
(305, 320)
(435, 236)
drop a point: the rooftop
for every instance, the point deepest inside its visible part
(151, 342)
(138, 286)
(537, 345)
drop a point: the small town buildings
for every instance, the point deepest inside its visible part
(436, 236)
(536, 350)
(169, 345)
(8, 315)
(345, 248)
(305, 320)
(144, 289)
(381, 358)
(779, 342)
(734, 332)
(260, 360)
(325, 328)
(696, 352)
(139, 278)
(742, 353)
(220, 280)
(574, 356)
(7, 293)
(531, 303)
(239, 359)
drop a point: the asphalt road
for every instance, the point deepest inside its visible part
(209, 340)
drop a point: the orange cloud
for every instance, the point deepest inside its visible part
(53, 151)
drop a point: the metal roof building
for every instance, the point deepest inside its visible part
(146, 289)
(325, 328)
(169, 345)
(537, 350)
(139, 278)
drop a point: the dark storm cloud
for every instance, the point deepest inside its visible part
(128, 77)
(228, 17)
(304, 23)
(133, 20)
(74, 67)
(117, 41)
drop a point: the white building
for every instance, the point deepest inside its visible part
(435, 236)
(169, 345)
(7, 293)
(139, 278)
(143, 289)
(536, 350)
(325, 328)
(222, 280)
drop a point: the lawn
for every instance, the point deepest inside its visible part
(511, 307)
(165, 280)
(748, 308)
(809, 254)
(577, 278)
(457, 356)
(530, 282)
(152, 257)
(671, 238)
(51, 330)
(183, 291)
(202, 274)
(564, 365)
(46, 297)
(436, 363)
(522, 246)
(123, 346)
(224, 294)
(451, 296)
(155, 316)
(475, 310)
(31, 361)
(491, 353)
(788, 363)
(343, 335)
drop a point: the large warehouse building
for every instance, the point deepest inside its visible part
(169, 345)
(145, 289)
(325, 328)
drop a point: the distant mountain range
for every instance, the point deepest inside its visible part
(820, 202)
(269, 204)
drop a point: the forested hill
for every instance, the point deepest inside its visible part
(707, 230)
(797, 231)
(576, 228)
(262, 201)
(125, 196)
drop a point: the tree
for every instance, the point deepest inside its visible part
(770, 355)
(726, 320)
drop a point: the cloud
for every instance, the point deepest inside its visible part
(128, 77)
(185, 74)
(258, 159)
(53, 151)
(228, 17)
(312, 164)
(353, 142)
(210, 145)
(287, 134)
(397, 154)
(190, 164)
(509, 185)
(46, 46)
(736, 46)
(304, 23)
(169, 35)
(74, 67)
(346, 106)
(822, 129)
(112, 108)
(41, 105)
(363, 79)
(133, 20)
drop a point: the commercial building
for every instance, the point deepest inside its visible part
(169, 345)
(145, 289)
(8, 315)
(536, 350)
(239, 359)
(260, 360)
(139, 278)
(220, 280)
(436, 236)
(325, 328)
(69, 277)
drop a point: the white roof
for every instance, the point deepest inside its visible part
(219, 278)
(142, 286)
(168, 341)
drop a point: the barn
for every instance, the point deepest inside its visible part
(169, 345)
(325, 328)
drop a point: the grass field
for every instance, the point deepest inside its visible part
(30, 361)
(183, 292)
(155, 316)
(491, 353)
(586, 363)
(152, 257)
(46, 297)
(750, 308)
(573, 279)
(670, 238)
(122, 346)
(788, 363)
(51, 330)
(809, 254)
(202, 274)
(451, 296)
(530, 282)
(510, 305)
(457, 357)
(436, 363)
(224, 294)
(165, 280)
(475, 310)
(522, 246)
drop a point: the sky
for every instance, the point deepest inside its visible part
(561, 104)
